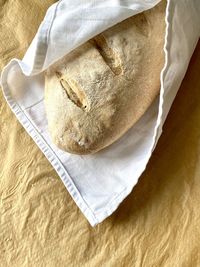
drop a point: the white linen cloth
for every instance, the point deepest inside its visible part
(98, 183)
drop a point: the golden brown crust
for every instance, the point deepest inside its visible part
(99, 90)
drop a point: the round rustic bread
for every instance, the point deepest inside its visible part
(98, 91)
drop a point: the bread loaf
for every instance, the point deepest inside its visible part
(98, 91)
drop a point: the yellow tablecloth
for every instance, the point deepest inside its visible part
(40, 225)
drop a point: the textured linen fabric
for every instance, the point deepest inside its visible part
(40, 225)
(99, 183)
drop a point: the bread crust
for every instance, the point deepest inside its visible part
(99, 90)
